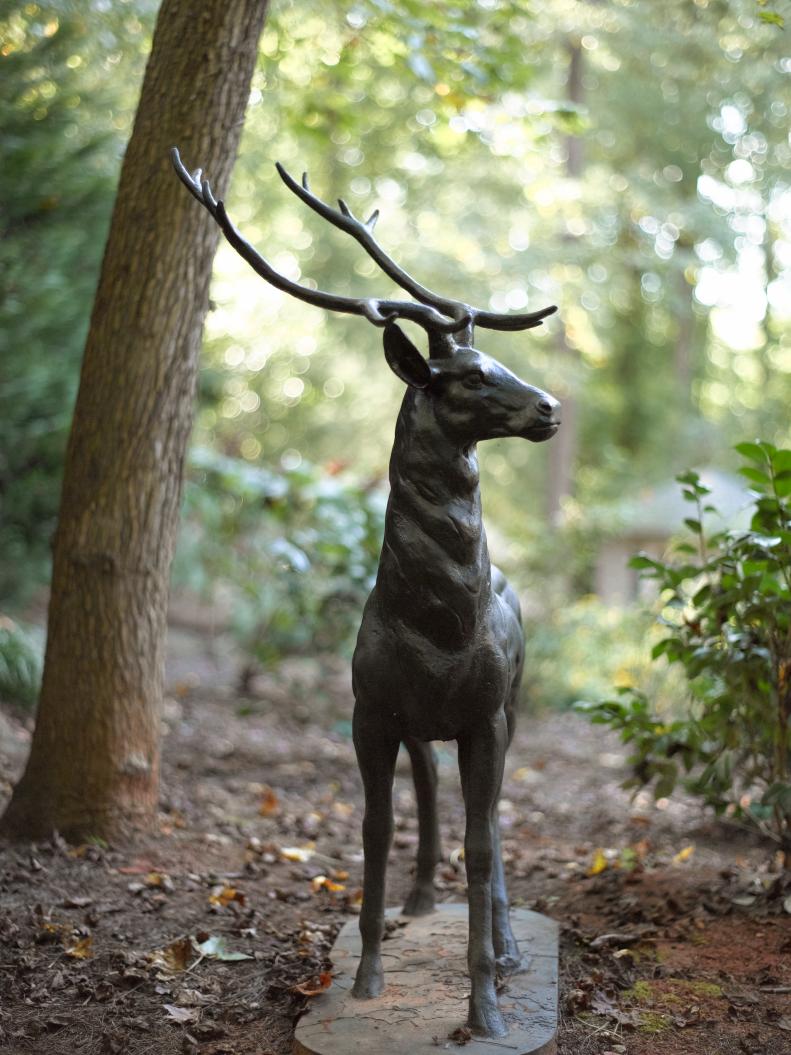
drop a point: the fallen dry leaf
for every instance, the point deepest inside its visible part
(461, 1035)
(181, 1014)
(77, 902)
(159, 881)
(82, 949)
(314, 985)
(55, 930)
(224, 895)
(324, 883)
(270, 803)
(297, 853)
(599, 863)
(683, 855)
(175, 957)
(140, 866)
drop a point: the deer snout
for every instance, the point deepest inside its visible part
(549, 408)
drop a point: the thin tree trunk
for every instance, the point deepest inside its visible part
(563, 449)
(94, 762)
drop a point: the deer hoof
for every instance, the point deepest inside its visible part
(485, 1019)
(510, 963)
(369, 981)
(420, 902)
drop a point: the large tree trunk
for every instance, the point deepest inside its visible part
(94, 763)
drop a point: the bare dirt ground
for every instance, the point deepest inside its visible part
(676, 931)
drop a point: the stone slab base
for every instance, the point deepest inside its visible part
(426, 991)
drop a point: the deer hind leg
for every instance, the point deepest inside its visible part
(421, 899)
(376, 757)
(506, 948)
(481, 758)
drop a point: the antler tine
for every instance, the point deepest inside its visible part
(379, 312)
(490, 321)
(363, 233)
(191, 182)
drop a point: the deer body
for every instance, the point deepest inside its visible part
(440, 650)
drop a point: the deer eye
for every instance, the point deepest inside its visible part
(474, 380)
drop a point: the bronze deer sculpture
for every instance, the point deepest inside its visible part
(440, 650)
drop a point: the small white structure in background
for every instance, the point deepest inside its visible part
(655, 516)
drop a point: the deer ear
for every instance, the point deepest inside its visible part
(404, 359)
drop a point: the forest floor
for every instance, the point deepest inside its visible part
(674, 934)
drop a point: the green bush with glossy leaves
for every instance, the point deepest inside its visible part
(727, 615)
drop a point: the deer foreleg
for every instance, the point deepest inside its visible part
(421, 898)
(481, 760)
(376, 757)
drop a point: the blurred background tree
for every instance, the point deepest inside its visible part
(70, 81)
(628, 161)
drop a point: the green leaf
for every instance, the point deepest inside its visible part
(692, 524)
(685, 547)
(772, 18)
(778, 794)
(702, 595)
(755, 475)
(641, 561)
(755, 452)
(665, 785)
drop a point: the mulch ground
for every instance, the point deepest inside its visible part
(209, 935)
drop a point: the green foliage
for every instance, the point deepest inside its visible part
(59, 139)
(20, 665)
(577, 650)
(291, 554)
(457, 121)
(727, 612)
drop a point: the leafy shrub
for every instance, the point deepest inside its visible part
(20, 665)
(292, 554)
(727, 612)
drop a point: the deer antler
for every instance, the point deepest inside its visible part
(362, 232)
(379, 312)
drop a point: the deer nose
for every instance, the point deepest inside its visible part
(546, 407)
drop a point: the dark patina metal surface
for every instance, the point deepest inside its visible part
(440, 650)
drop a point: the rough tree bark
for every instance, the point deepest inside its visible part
(94, 762)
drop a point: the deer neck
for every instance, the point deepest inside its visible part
(434, 574)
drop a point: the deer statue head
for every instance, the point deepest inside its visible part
(474, 396)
